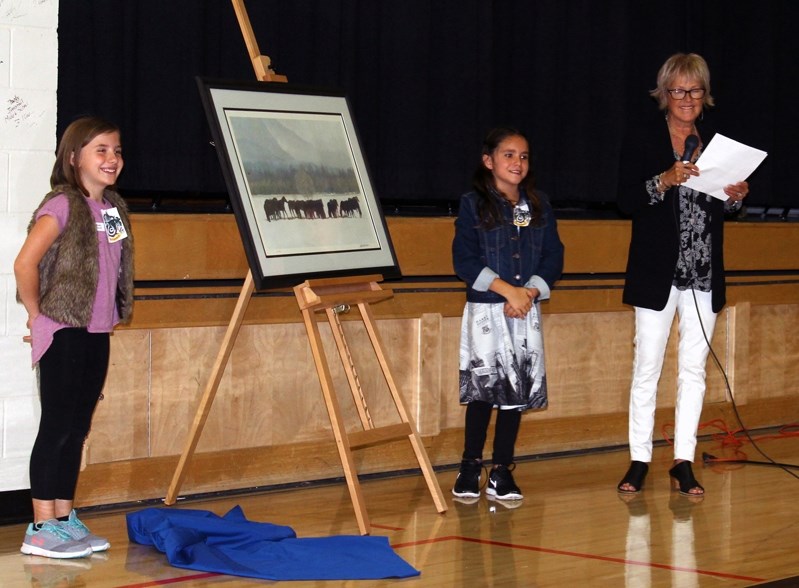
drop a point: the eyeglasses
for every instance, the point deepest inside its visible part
(679, 93)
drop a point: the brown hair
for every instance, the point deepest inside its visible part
(490, 201)
(77, 135)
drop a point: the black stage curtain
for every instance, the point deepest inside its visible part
(426, 79)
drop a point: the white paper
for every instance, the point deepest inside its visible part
(724, 162)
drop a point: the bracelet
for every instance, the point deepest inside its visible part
(660, 183)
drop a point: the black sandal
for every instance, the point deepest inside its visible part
(682, 478)
(634, 477)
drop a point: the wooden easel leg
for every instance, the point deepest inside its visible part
(337, 422)
(210, 389)
(327, 295)
(414, 437)
(349, 369)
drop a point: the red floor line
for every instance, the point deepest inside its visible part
(423, 542)
(497, 544)
(167, 581)
(386, 527)
(581, 555)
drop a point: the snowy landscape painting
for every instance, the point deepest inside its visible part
(300, 175)
(298, 182)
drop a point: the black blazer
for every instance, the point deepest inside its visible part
(654, 244)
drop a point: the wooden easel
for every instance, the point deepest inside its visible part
(330, 296)
(264, 72)
(260, 63)
(314, 296)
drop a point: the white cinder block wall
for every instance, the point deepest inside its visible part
(28, 81)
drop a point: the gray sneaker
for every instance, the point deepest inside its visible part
(51, 540)
(80, 532)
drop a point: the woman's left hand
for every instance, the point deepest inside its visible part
(737, 192)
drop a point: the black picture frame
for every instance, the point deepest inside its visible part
(298, 182)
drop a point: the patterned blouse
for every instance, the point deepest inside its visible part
(693, 264)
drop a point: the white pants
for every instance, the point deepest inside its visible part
(652, 329)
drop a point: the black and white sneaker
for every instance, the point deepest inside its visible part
(501, 484)
(467, 484)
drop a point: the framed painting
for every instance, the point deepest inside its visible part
(298, 182)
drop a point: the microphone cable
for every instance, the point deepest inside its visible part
(706, 457)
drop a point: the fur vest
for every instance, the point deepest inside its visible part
(69, 270)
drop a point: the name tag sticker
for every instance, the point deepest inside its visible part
(521, 215)
(114, 229)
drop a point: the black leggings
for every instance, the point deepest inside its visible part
(71, 377)
(478, 415)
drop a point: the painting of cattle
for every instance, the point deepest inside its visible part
(298, 182)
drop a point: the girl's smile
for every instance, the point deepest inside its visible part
(510, 164)
(100, 163)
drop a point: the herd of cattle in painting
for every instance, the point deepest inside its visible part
(311, 208)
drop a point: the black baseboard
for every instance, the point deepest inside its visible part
(15, 507)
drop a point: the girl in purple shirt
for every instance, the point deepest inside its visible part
(74, 277)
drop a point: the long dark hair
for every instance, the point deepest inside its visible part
(491, 201)
(77, 135)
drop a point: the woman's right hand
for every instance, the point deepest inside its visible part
(677, 174)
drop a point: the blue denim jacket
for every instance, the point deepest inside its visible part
(530, 256)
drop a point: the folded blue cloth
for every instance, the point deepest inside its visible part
(231, 544)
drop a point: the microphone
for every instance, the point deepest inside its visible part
(691, 143)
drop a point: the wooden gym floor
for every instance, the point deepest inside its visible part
(571, 529)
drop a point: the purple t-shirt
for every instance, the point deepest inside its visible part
(104, 312)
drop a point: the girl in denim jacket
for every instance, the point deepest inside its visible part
(507, 250)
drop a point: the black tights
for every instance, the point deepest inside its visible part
(478, 415)
(71, 377)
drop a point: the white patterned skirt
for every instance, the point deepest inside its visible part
(502, 359)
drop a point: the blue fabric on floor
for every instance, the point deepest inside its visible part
(231, 544)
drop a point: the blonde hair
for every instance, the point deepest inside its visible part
(689, 65)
